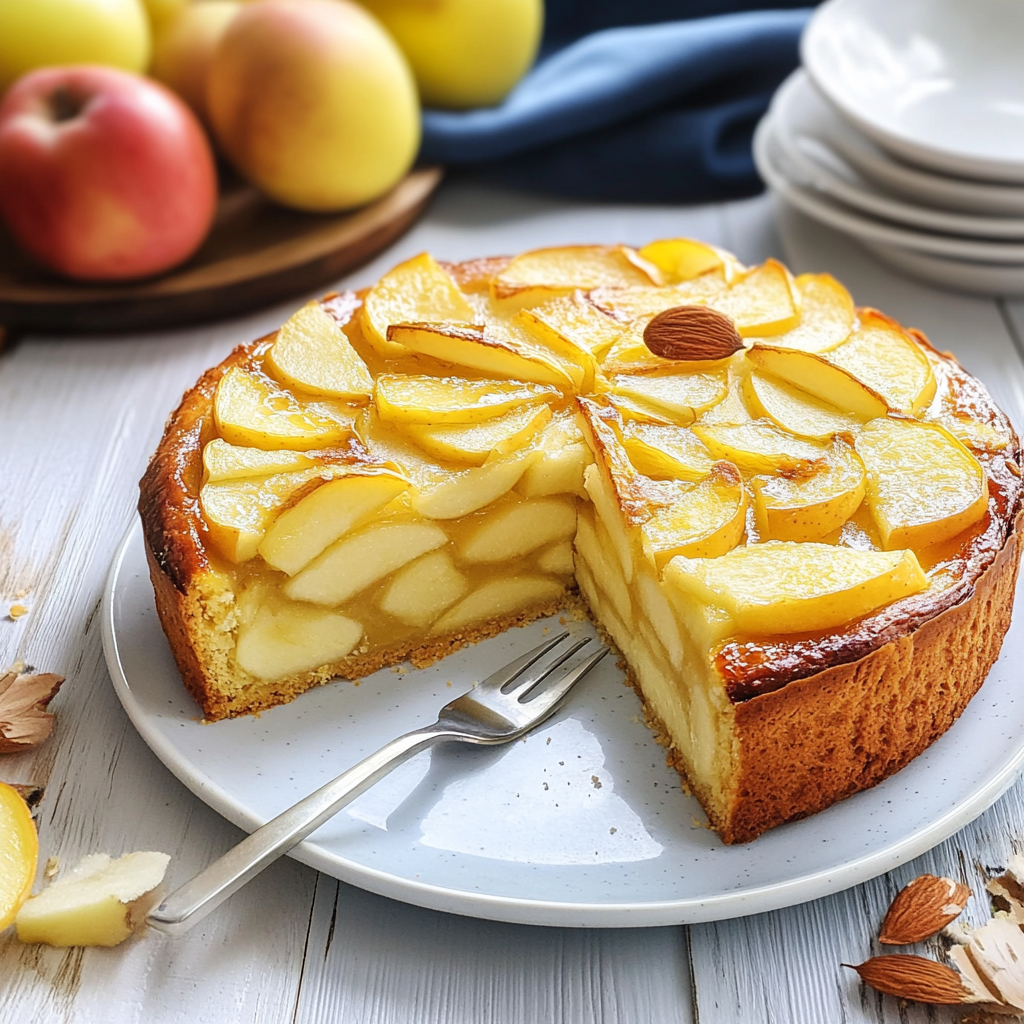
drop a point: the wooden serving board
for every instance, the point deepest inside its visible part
(257, 253)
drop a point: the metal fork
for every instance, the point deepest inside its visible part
(495, 711)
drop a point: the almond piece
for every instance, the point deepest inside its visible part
(694, 333)
(914, 977)
(922, 908)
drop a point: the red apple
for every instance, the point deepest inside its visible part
(104, 175)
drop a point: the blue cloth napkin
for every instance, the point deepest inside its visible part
(654, 113)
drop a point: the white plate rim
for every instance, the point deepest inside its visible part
(983, 198)
(863, 226)
(543, 912)
(936, 158)
(891, 208)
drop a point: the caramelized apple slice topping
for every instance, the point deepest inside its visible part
(884, 357)
(576, 321)
(923, 485)
(666, 452)
(415, 291)
(682, 395)
(783, 587)
(821, 378)
(704, 520)
(760, 447)
(827, 315)
(794, 410)
(764, 302)
(479, 349)
(223, 461)
(471, 444)
(811, 507)
(433, 400)
(680, 259)
(543, 274)
(238, 511)
(311, 352)
(251, 411)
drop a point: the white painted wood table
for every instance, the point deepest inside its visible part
(78, 421)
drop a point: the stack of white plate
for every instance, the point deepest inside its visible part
(905, 129)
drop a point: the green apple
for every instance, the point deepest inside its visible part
(464, 53)
(40, 33)
(313, 101)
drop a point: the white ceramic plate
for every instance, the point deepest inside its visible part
(799, 112)
(579, 824)
(789, 181)
(937, 82)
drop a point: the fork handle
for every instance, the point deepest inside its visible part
(190, 903)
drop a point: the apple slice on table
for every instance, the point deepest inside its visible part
(704, 520)
(421, 591)
(319, 518)
(19, 851)
(794, 410)
(821, 378)
(666, 452)
(541, 274)
(285, 638)
(682, 395)
(516, 530)
(572, 323)
(923, 485)
(401, 398)
(499, 597)
(471, 444)
(479, 349)
(311, 352)
(811, 507)
(252, 411)
(351, 564)
(238, 512)
(416, 291)
(882, 355)
(680, 259)
(827, 315)
(764, 302)
(99, 902)
(783, 587)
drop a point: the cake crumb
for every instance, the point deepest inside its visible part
(16, 611)
(449, 684)
(52, 869)
(612, 830)
(595, 781)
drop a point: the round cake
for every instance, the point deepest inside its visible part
(795, 519)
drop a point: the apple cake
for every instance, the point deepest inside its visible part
(796, 520)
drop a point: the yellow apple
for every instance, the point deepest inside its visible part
(464, 53)
(162, 12)
(314, 102)
(185, 45)
(41, 33)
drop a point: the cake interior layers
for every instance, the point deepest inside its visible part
(721, 458)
